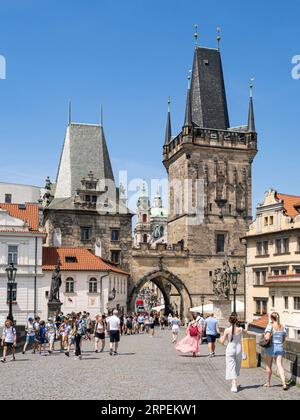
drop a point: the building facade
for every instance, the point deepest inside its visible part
(21, 239)
(19, 193)
(87, 209)
(88, 283)
(273, 261)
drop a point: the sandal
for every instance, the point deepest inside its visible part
(267, 386)
(285, 387)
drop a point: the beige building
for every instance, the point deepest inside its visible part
(273, 261)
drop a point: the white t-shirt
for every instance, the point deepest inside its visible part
(114, 323)
(9, 334)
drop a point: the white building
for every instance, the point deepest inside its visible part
(18, 193)
(87, 282)
(21, 240)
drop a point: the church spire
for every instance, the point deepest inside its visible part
(188, 109)
(70, 113)
(168, 128)
(251, 120)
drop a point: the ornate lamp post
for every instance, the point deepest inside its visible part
(11, 272)
(234, 277)
(202, 297)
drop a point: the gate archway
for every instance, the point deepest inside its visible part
(162, 279)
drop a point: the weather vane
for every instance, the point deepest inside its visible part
(251, 86)
(196, 35)
(219, 37)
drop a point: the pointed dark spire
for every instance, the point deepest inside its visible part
(251, 119)
(101, 116)
(188, 108)
(208, 96)
(168, 128)
(70, 113)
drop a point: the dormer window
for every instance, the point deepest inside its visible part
(71, 260)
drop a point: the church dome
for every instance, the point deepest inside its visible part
(159, 212)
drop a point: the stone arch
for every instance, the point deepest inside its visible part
(160, 277)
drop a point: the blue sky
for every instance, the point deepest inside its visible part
(130, 56)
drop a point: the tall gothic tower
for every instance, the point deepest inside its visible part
(209, 167)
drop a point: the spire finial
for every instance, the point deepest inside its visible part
(70, 113)
(169, 104)
(101, 115)
(196, 35)
(219, 37)
(251, 87)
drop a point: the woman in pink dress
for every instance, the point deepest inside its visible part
(191, 341)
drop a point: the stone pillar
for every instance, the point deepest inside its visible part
(222, 311)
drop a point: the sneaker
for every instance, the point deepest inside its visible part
(234, 389)
(3, 360)
(115, 353)
(67, 354)
(96, 351)
(49, 351)
(23, 352)
(110, 352)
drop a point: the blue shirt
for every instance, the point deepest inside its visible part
(211, 326)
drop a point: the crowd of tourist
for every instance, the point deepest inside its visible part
(69, 332)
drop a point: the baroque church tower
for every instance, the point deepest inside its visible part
(209, 167)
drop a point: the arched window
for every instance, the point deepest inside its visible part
(70, 285)
(93, 285)
(145, 218)
(145, 238)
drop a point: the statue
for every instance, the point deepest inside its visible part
(221, 281)
(55, 284)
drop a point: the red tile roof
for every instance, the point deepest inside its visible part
(261, 322)
(30, 213)
(291, 204)
(85, 260)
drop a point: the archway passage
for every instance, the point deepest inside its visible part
(176, 296)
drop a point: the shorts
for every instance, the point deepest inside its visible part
(114, 336)
(30, 339)
(175, 329)
(101, 336)
(151, 326)
(8, 345)
(211, 338)
(275, 350)
(71, 340)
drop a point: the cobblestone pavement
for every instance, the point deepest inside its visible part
(146, 368)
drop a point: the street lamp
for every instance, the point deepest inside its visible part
(11, 272)
(234, 277)
(202, 297)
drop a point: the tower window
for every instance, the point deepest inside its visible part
(145, 238)
(8, 198)
(220, 243)
(115, 234)
(145, 219)
(85, 233)
(115, 257)
(210, 207)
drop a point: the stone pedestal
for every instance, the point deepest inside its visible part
(222, 311)
(53, 308)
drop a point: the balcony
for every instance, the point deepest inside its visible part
(287, 278)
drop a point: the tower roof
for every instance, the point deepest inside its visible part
(207, 94)
(168, 127)
(84, 150)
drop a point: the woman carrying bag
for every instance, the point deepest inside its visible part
(274, 337)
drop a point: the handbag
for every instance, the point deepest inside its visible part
(266, 342)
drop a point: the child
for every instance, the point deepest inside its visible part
(42, 338)
(9, 339)
(51, 333)
(30, 334)
(71, 335)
